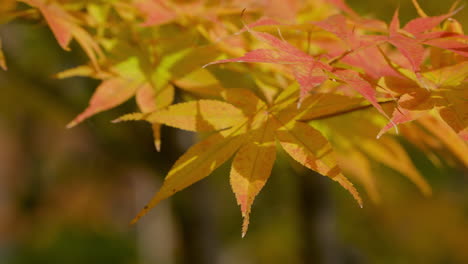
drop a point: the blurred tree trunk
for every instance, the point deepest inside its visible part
(317, 220)
(194, 210)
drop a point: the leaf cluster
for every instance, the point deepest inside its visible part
(325, 84)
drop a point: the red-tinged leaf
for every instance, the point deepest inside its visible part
(463, 134)
(282, 9)
(352, 79)
(308, 71)
(280, 45)
(201, 115)
(64, 27)
(197, 163)
(371, 61)
(156, 12)
(308, 76)
(308, 147)
(89, 45)
(337, 25)
(400, 116)
(251, 168)
(452, 44)
(57, 19)
(2, 58)
(412, 50)
(394, 26)
(148, 100)
(110, 93)
(421, 24)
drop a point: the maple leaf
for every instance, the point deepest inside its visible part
(129, 78)
(448, 98)
(248, 128)
(108, 94)
(308, 71)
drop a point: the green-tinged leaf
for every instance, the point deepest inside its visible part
(318, 106)
(130, 117)
(245, 100)
(197, 163)
(452, 75)
(110, 93)
(129, 69)
(201, 82)
(80, 71)
(251, 168)
(201, 115)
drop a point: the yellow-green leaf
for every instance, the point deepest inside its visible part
(201, 115)
(251, 168)
(197, 163)
(308, 147)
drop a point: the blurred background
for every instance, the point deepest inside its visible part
(67, 195)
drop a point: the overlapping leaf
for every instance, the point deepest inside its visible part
(249, 128)
(65, 27)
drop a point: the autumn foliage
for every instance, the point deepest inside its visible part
(311, 78)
